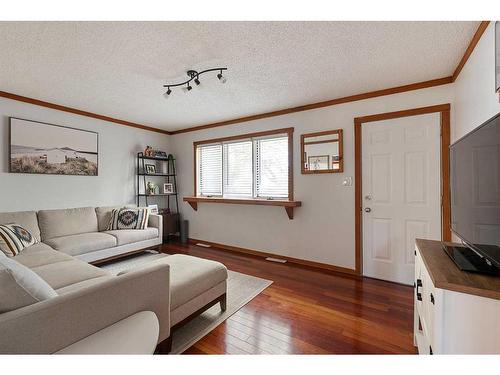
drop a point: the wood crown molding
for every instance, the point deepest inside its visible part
(307, 107)
(470, 48)
(41, 103)
(367, 95)
(346, 99)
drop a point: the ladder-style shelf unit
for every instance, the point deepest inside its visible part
(165, 172)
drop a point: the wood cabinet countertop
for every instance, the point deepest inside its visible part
(446, 275)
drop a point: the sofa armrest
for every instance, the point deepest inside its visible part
(51, 325)
(156, 221)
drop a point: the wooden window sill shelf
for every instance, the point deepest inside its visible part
(288, 205)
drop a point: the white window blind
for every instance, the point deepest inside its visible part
(246, 168)
(271, 167)
(238, 169)
(209, 173)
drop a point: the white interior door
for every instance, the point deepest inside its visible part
(401, 193)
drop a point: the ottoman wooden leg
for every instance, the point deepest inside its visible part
(223, 302)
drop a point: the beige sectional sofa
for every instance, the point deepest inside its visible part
(90, 299)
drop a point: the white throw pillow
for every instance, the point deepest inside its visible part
(14, 238)
(20, 286)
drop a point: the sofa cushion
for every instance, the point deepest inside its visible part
(82, 284)
(14, 238)
(125, 236)
(61, 274)
(191, 277)
(82, 243)
(20, 286)
(66, 222)
(40, 254)
(104, 215)
(27, 219)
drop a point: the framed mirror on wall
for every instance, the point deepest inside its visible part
(322, 152)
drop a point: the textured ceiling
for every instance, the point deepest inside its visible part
(117, 69)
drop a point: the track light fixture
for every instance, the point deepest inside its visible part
(194, 76)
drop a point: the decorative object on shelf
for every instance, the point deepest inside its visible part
(41, 148)
(165, 211)
(151, 188)
(149, 151)
(168, 188)
(153, 208)
(160, 154)
(150, 168)
(194, 76)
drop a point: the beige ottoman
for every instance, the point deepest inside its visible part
(196, 284)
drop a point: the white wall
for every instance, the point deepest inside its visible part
(115, 184)
(323, 228)
(475, 97)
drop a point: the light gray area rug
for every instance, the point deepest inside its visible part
(241, 289)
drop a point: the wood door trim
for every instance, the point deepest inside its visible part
(444, 110)
(470, 48)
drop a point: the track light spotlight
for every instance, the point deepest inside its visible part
(188, 88)
(166, 94)
(197, 81)
(221, 77)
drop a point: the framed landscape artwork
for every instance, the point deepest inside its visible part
(37, 147)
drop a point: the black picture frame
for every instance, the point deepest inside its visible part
(150, 168)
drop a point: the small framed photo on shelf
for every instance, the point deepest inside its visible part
(153, 208)
(160, 154)
(168, 188)
(150, 168)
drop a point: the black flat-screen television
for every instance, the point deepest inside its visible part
(475, 198)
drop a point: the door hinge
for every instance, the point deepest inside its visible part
(432, 298)
(430, 350)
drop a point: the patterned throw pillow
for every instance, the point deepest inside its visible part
(129, 218)
(14, 238)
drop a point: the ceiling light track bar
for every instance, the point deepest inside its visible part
(194, 75)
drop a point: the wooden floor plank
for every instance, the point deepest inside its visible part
(307, 311)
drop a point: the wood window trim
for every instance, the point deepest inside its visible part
(289, 204)
(303, 142)
(444, 111)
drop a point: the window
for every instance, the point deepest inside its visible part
(251, 166)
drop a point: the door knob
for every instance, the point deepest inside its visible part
(368, 209)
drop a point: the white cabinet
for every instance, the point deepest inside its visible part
(448, 321)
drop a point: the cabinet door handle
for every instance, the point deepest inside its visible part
(419, 285)
(432, 298)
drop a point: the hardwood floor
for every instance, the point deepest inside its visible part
(306, 311)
